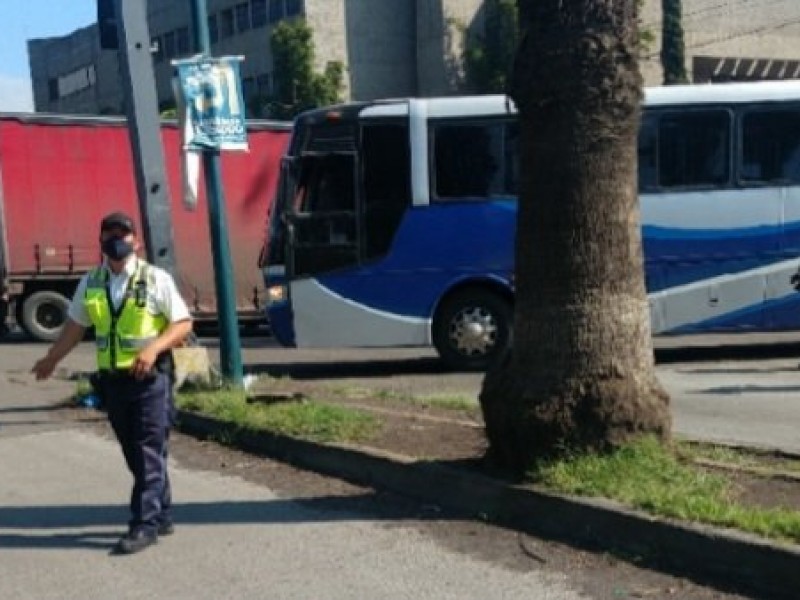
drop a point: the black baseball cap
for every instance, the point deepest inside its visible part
(119, 220)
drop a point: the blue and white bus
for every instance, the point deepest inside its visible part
(395, 220)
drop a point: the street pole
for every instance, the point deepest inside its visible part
(230, 347)
(144, 127)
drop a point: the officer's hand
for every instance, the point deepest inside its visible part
(144, 362)
(43, 368)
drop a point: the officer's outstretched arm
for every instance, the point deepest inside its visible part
(70, 336)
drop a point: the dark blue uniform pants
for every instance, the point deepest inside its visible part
(141, 413)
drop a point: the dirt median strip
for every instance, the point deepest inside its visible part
(714, 556)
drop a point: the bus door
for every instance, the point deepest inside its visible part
(272, 258)
(322, 216)
(323, 230)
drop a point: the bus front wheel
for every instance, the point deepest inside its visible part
(472, 330)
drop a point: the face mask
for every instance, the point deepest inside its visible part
(117, 248)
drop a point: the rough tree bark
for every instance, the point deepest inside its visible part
(581, 376)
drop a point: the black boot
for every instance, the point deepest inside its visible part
(135, 540)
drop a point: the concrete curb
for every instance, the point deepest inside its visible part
(720, 557)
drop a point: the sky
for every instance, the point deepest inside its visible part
(27, 19)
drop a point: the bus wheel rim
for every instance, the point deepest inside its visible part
(473, 331)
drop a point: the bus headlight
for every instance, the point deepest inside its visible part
(276, 294)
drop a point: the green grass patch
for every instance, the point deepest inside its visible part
(448, 402)
(308, 420)
(740, 458)
(650, 476)
(452, 402)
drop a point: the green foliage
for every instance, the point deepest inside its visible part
(649, 476)
(297, 86)
(307, 420)
(672, 45)
(646, 35)
(488, 57)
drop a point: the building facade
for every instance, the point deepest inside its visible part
(393, 48)
(389, 48)
(730, 40)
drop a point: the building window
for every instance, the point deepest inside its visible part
(225, 24)
(76, 81)
(242, 17)
(258, 13)
(52, 89)
(275, 10)
(182, 41)
(264, 87)
(169, 44)
(248, 87)
(294, 8)
(156, 50)
(213, 32)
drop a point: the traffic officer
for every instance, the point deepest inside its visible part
(138, 317)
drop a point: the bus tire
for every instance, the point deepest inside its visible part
(43, 314)
(472, 330)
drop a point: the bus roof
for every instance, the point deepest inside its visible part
(723, 93)
(720, 93)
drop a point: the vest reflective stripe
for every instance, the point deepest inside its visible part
(125, 343)
(120, 337)
(136, 343)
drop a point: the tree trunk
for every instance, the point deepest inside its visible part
(581, 375)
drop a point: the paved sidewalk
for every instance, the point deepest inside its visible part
(60, 513)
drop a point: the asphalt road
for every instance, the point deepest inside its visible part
(733, 389)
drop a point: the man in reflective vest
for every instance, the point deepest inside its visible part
(138, 317)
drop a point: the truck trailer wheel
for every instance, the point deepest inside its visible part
(43, 314)
(472, 330)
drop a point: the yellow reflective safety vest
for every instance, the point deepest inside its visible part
(120, 334)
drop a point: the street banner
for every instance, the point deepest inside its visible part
(189, 159)
(210, 94)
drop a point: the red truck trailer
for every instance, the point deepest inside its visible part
(60, 174)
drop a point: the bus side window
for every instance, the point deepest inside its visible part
(770, 146)
(468, 160)
(694, 149)
(648, 155)
(387, 184)
(511, 159)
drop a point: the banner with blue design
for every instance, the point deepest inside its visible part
(210, 103)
